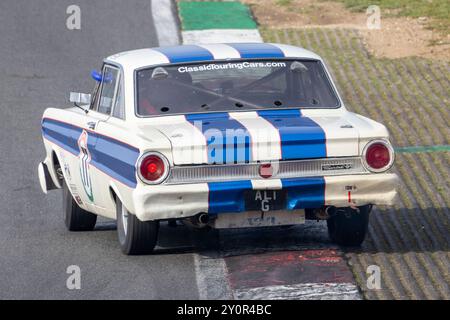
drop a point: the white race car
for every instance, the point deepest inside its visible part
(220, 135)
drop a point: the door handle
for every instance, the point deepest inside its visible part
(91, 124)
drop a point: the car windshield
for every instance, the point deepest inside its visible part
(233, 86)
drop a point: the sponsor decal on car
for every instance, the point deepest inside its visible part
(74, 190)
(342, 166)
(67, 172)
(225, 66)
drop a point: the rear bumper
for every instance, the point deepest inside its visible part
(180, 201)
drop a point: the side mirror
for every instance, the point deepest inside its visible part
(78, 98)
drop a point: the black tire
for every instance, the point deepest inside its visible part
(75, 218)
(135, 236)
(348, 227)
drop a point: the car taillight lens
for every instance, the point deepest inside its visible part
(153, 168)
(378, 156)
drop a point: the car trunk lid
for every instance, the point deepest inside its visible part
(266, 135)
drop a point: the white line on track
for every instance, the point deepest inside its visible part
(165, 21)
(211, 274)
(221, 36)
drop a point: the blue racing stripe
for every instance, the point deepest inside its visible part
(257, 50)
(300, 137)
(304, 192)
(113, 157)
(185, 53)
(63, 134)
(228, 141)
(227, 196)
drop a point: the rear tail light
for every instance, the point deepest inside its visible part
(152, 168)
(378, 156)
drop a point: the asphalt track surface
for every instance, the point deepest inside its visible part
(40, 62)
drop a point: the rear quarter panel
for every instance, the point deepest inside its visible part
(368, 129)
(114, 145)
(118, 148)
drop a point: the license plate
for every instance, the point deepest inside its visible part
(265, 200)
(259, 219)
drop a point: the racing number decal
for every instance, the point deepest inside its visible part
(85, 159)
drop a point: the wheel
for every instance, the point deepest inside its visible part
(76, 219)
(347, 226)
(135, 236)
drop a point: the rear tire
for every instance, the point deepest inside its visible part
(135, 236)
(75, 218)
(348, 227)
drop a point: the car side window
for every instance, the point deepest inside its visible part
(108, 89)
(119, 108)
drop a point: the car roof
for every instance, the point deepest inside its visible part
(136, 59)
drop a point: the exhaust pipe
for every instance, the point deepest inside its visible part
(203, 218)
(200, 220)
(330, 210)
(323, 213)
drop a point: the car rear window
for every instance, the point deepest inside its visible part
(233, 86)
